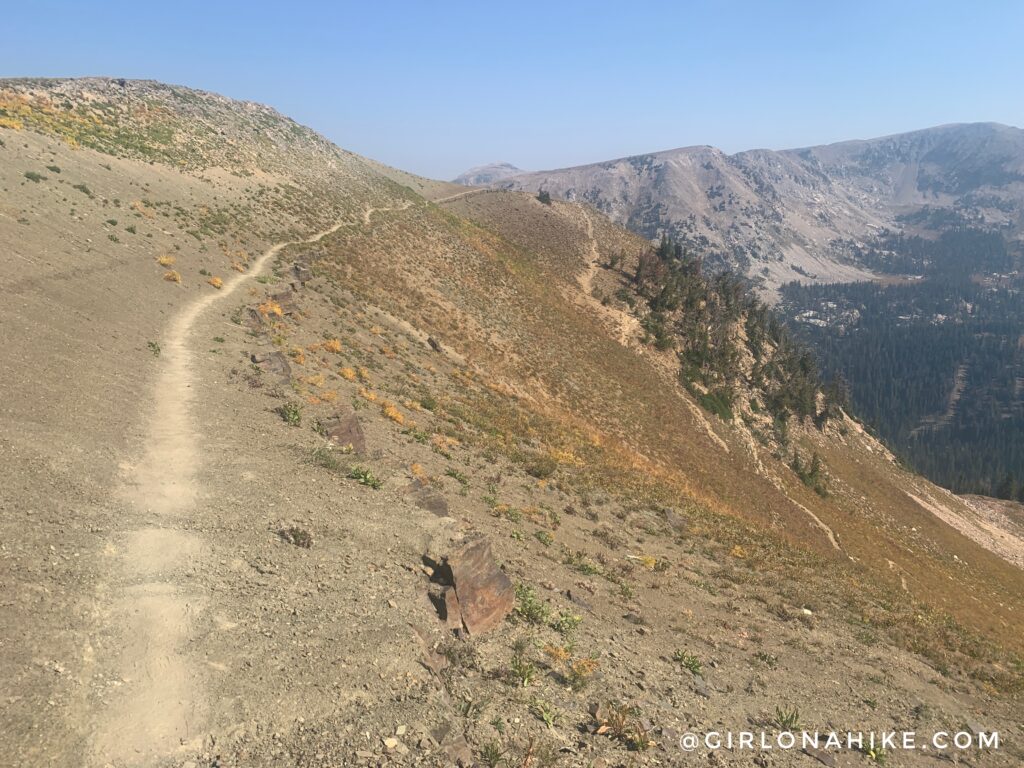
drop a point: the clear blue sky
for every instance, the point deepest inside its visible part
(436, 87)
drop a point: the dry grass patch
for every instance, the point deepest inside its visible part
(392, 412)
(270, 307)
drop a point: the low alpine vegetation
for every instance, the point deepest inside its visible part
(290, 413)
(687, 660)
(365, 477)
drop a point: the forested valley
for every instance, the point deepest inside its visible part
(934, 358)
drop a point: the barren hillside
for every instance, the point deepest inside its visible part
(257, 389)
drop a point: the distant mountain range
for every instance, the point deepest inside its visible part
(483, 175)
(790, 215)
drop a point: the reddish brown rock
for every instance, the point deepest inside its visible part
(825, 758)
(345, 430)
(453, 613)
(484, 593)
(274, 363)
(428, 498)
(254, 319)
(431, 501)
(285, 300)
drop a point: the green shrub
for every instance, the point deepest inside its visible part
(529, 607)
(324, 457)
(812, 475)
(541, 466)
(291, 413)
(688, 661)
(718, 402)
(365, 477)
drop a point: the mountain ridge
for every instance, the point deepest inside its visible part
(785, 150)
(782, 215)
(482, 175)
(195, 570)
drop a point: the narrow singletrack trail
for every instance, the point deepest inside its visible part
(460, 195)
(150, 600)
(628, 326)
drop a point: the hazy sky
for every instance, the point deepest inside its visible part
(436, 87)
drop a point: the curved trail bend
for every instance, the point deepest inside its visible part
(160, 704)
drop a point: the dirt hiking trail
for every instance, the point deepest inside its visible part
(161, 705)
(628, 327)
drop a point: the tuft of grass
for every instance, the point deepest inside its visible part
(216, 282)
(579, 672)
(290, 413)
(171, 276)
(392, 412)
(270, 307)
(544, 712)
(323, 456)
(529, 608)
(166, 260)
(787, 719)
(459, 477)
(522, 669)
(625, 725)
(492, 755)
(365, 477)
(34, 177)
(688, 661)
(566, 624)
